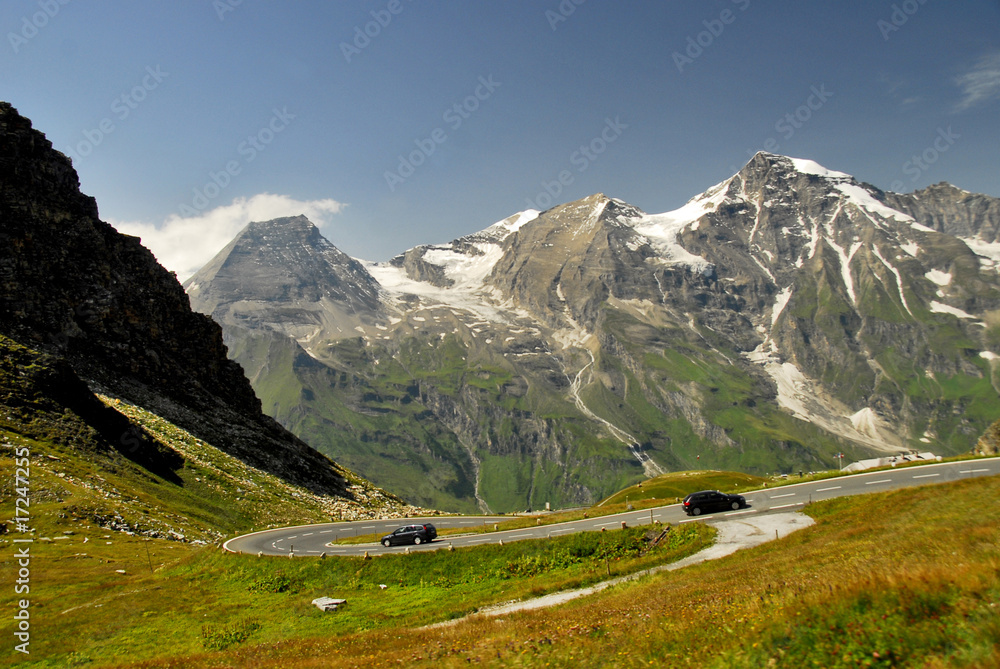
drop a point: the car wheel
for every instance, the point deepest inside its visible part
(696, 511)
(386, 543)
(418, 540)
(736, 505)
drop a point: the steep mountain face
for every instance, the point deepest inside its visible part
(72, 286)
(785, 315)
(321, 292)
(973, 218)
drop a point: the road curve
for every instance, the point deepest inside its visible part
(314, 540)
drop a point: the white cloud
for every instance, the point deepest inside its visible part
(981, 84)
(183, 245)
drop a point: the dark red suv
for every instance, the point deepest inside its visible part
(411, 534)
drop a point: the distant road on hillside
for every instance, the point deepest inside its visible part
(314, 540)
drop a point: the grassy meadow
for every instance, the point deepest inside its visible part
(885, 580)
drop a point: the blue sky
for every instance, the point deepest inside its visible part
(187, 118)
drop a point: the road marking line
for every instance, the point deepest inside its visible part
(791, 494)
(785, 506)
(568, 529)
(465, 522)
(308, 534)
(608, 524)
(689, 520)
(880, 481)
(327, 532)
(368, 527)
(925, 476)
(295, 537)
(972, 471)
(737, 513)
(836, 487)
(518, 536)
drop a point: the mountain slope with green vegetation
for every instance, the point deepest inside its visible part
(784, 317)
(104, 462)
(861, 585)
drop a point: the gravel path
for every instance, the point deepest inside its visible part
(733, 535)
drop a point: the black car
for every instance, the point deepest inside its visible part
(700, 502)
(411, 534)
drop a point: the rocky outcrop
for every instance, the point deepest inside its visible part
(951, 210)
(72, 286)
(989, 443)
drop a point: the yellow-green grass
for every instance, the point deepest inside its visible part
(180, 600)
(901, 579)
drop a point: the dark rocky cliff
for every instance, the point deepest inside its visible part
(72, 286)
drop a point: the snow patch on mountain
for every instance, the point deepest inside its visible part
(939, 277)
(662, 229)
(810, 167)
(939, 308)
(864, 200)
(899, 278)
(988, 252)
(779, 304)
(396, 283)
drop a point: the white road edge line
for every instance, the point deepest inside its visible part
(880, 481)
(791, 494)
(925, 476)
(785, 506)
(836, 487)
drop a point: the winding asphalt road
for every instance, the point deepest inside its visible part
(314, 540)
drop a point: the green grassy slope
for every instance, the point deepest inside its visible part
(860, 588)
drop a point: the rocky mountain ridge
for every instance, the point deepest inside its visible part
(785, 315)
(73, 287)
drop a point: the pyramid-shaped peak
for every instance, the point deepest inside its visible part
(285, 224)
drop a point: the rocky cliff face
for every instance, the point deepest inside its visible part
(785, 315)
(287, 262)
(72, 286)
(951, 210)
